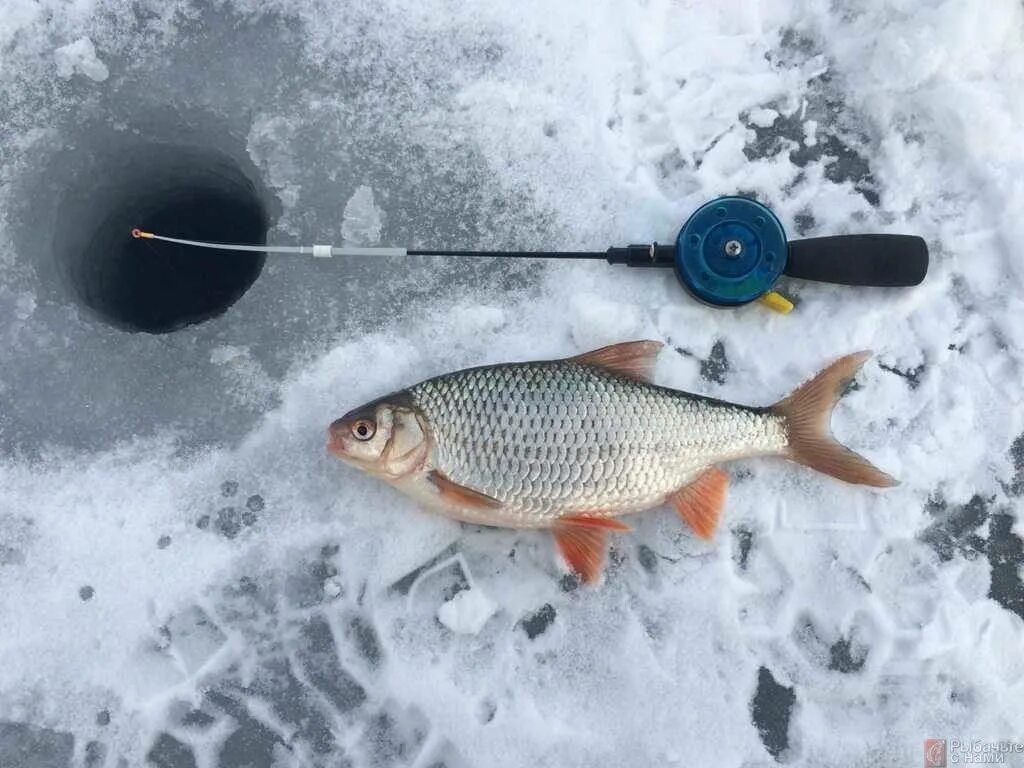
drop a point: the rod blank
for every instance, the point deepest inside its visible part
(318, 251)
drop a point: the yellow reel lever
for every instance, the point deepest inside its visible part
(776, 302)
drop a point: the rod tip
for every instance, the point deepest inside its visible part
(138, 233)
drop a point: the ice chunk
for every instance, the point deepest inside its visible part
(80, 57)
(467, 612)
(362, 220)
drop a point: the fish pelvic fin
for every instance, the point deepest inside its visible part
(583, 543)
(701, 502)
(807, 413)
(630, 359)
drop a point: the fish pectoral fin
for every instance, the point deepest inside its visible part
(700, 503)
(582, 541)
(460, 495)
(632, 359)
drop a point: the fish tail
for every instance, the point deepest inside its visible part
(807, 413)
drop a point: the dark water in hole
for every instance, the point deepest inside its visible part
(145, 285)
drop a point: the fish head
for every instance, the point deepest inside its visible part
(388, 438)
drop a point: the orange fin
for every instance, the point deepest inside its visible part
(582, 540)
(460, 494)
(700, 503)
(631, 359)
(807, 413)
(608, 523)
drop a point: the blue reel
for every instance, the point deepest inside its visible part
(730, 251)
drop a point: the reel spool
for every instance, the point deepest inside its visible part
(730, 252)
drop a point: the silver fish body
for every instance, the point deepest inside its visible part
(550, 439)
(571, 444)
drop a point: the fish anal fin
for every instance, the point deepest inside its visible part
(460, 495)
(607, 523)
(700, 503)
(631, 359)
(583, 542)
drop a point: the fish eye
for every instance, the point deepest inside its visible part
(363, 429)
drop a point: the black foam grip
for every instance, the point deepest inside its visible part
(881, 260)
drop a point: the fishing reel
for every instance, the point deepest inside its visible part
(730, 252)
(733, 250)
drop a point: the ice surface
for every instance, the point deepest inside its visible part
(185, 576)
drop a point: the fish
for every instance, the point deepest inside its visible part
(574, 444)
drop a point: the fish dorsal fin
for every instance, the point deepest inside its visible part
(460, 495)
(582, 540)
(631, 359)
(700, 503)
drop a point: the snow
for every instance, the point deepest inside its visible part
(307, 610)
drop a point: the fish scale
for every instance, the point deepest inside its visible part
(554, 438)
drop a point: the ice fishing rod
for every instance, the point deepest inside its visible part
(730, 252)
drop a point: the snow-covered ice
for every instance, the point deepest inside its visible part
(186, 578)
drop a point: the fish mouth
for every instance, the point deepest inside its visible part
(335, 446)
